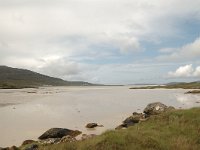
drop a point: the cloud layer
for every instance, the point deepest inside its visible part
(104, 41)
(187, 52)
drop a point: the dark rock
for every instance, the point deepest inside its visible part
(91, 125)
(59, 133)
(14, 148)
(28, 142)
(155, 108)
(122, 126)
(32, 147)
(135, 118)
(6, 148)
(130, 121)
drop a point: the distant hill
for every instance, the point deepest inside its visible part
(22, 78)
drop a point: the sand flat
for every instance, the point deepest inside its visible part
(27, 113)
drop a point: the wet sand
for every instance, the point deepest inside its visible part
(27, 113)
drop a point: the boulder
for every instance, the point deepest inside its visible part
(121, 126)
(170, 108)
(14, 148)
(59, 133)
(67, 138)
(130, 121)
(135, 118)
(91, 125)
(50, 141)
(28, 142)
(155, 108)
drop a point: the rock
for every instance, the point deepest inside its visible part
(130, 121)
(170, 108)
(28, 142)
(122, 126)
(32, 147)
(85, 136)
(155, 108)
(91, 125)
(135, 118)
(67, 138)
(59, 133)
(13, 148)
(6, 148)
(50, 141)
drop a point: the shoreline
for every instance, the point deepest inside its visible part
(82, 117)
(134, 121)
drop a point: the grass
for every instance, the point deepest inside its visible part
(177, 130)
(192, 85)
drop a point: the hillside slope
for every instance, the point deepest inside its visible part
(22, 78)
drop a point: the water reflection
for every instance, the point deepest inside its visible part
(189, 100)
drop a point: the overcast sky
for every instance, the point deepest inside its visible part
(103, 41)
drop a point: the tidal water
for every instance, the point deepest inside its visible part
(27, 113)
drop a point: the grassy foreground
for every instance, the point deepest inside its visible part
(177, 130)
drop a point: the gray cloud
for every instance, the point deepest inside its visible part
(66, 38)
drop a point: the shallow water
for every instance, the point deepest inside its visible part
(27, 113)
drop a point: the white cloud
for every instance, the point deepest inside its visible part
(187, 52)
(197, 72)
(185, 71)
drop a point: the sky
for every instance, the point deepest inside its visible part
(103, 41)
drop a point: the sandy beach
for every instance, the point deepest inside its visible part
(27, 113)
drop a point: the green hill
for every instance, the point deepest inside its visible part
(22, 78)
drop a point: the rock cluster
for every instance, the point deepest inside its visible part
(151, 109)
(59, 133)
(51, 136)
